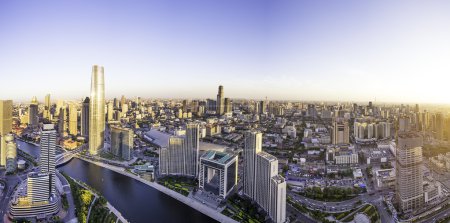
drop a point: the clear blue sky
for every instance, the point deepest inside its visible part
(299, 49)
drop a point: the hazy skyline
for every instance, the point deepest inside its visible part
(293, 50)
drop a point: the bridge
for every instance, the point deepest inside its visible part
(67, 156)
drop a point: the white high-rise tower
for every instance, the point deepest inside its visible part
(97, 111)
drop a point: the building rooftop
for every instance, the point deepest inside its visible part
(267, 156)
(218, 157)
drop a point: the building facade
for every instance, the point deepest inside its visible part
(97, 111)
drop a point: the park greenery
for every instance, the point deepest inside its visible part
(243, 210)
(331, 193)
(84, 199)
(179, 184)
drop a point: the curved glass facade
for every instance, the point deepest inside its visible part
(97, 110)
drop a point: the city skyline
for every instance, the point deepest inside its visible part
(291, 50)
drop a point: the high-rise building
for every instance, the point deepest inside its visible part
(47, 107)
(228, 107)
(110, 111)
(439, 126)
(218, 173)
(6, 108)
(48, 147)
(261, 180)
(73, 119)
(123, 101)
(181, 156)
(409, 171)
(262, 107)
(62, 121)
(97, 111)
(340, 132)
(252, 146)
(33, 117)
(85, 117)
(192, 148)
(122, 142)
(220, 101)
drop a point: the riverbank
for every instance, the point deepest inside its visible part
(212, 213)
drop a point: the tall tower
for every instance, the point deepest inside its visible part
(73, 119)
(253, 146)
(409, 188)
(192, 148)
(6, 108)
(33, 113)
(48, 147)
(220, 101)
(47, 107)
(97, 111)
(85, 117)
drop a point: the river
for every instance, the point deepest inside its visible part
(136, 201)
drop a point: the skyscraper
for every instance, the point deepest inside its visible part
(252, 146)
(110, 116)
(409, 188)
(97, 111)
(228, 106)
(6, 108)
(220, 101)
(33, 113)
(62, 121)
(122, 142)
(73, 119)
(85, 117)
(261, 180)
(47, 107)
(340, 132)
(439, 126)
(48, 147)
(192, 148)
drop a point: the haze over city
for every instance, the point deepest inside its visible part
(388, 51)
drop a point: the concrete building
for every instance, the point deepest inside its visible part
(261, 181)
(385, 178)
(85, 117)
(33, 115)
(340, 132)
(409, 172)
(122, 142)
(220, 101)
(62, 121)
(6, 108)
(341, 155)
(97, 111)
(73, 119)
(218, 172)
(47, 107)
(48, 147)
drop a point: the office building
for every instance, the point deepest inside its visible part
(33, 118)
(110, 116)
(261, 181)
(252, 146)
(439, 126)
(6, 108)
(85, 117)
(218, 173)
(340, 132)
(73, 119)
(97, 111)
(192, 148)
(181, 156)
(409, 188)
(122, 142)
(48, 147)
(220, 101)
(47, 107)
(62, 121)
(228, 106)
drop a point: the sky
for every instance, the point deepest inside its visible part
(391, 51)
